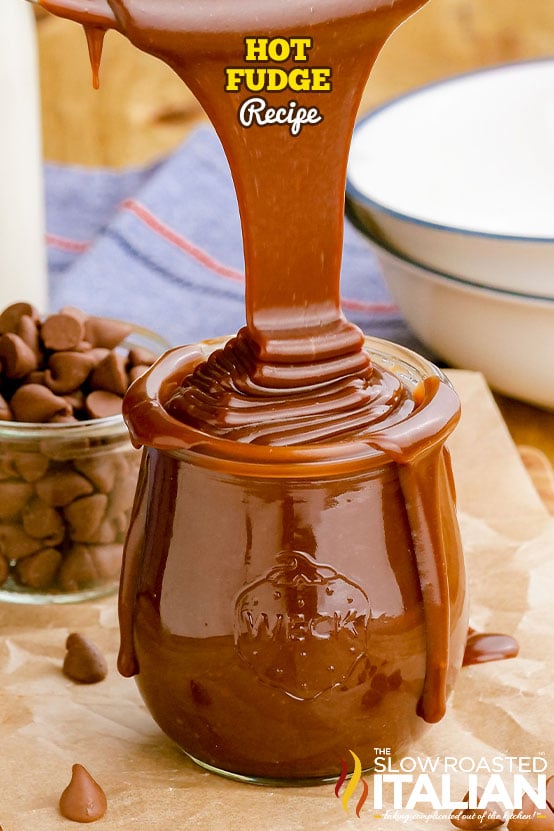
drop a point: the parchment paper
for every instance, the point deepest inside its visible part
(47, 722)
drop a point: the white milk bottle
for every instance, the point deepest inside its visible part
(22, 246)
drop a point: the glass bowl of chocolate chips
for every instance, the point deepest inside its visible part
(68, 470)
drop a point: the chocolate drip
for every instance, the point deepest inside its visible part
(484, 647)
(95, 42)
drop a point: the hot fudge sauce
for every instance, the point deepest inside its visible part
(293, 583)
(283, 603)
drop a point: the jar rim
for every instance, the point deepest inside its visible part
(109, 425)
(150, 425)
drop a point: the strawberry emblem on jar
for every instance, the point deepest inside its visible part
(302, 626)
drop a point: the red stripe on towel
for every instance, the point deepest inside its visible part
(66, 244)
(167, 233)
(176, 239)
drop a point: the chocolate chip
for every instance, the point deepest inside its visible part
(106, 532)
(5, 412)
(35, 377)
(28, 331)
(472, 818)
(122, 495)
(67, 371)
(11, 316)
(17, 358)
(35, 403)
(62, 331)
(43, 522)
(101, 404)
(530, 819)
(98, 353)
(85, 566)
(85, 516)
(136, 372)
(83, 800)
(63, 418)
(61, 487)
(76, 400)
(69, 352)
(475, 819)
(107, 333)
(73, 311)
(107, 560)
(83, 661)
(138, 356)
(110, 375)
(78, 570)
(30, 466)
(101, 470)
(15, 543)
(7, 468)
(38, 571)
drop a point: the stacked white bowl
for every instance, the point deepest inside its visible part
(453, 184)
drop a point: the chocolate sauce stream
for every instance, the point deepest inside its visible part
(290, 192)
(297, 373)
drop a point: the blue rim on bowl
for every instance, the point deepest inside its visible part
(379, 243)
(354, 194)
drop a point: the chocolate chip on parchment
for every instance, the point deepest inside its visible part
(83, 800)
(83, 661)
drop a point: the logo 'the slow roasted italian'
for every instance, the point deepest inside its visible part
(302, 626)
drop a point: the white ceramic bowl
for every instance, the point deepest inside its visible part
(506, 336)
(459, 176)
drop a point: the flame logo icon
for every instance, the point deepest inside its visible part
(355, 780)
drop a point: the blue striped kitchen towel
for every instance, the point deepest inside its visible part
(162, 247)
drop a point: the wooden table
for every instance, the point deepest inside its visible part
(142, 109)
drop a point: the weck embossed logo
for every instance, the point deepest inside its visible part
(302, 627)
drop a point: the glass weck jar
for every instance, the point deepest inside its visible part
(283, 605)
